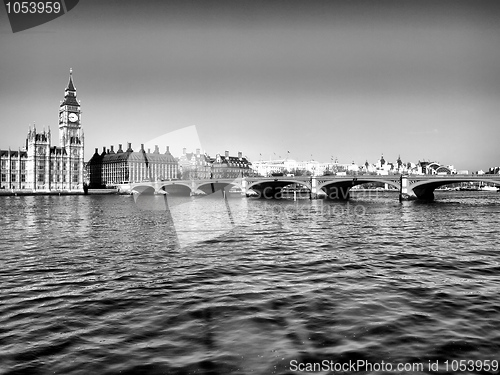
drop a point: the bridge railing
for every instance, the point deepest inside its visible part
(328, 177)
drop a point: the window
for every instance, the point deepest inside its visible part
(75, 166)
(23, 164)
(4, 164)
(13, 179)
(64, 178)
(75, 178)
(64, 166)
(4, 177)
(13, 164)
(41, 178)
(23, 178)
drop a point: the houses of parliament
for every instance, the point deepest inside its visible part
(39, 166)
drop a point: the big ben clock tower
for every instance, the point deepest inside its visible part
(71, 136)
(51, 168)
(69, 115)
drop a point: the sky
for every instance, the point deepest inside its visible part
(323, 80)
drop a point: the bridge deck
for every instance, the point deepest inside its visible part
(422, 185)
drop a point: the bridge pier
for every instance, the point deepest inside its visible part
(421, 192)
(405, 192)
(244, 184)
(193, 188)
(314, 189)
(403, 188)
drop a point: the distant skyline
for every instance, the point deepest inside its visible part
(350, 80)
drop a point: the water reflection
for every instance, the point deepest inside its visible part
(196, 219)
(106, 286)
(32, 219)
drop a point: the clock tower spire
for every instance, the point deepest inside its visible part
(71, 135)
(71, 86)
(69, 115)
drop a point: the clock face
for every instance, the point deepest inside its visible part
(61, 116)
(75, 152)
(41, 150)
(73, 117)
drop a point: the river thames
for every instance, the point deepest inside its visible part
(121, 285)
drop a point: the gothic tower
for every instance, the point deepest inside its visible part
(56, 168)
(38, 159)
(71, 138)
(70, 129)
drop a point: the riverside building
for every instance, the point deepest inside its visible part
(225, 166)
(195, 165)
(110, 168)
(202, 166)
(41, 167)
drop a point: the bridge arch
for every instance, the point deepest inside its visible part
(271, 188)
(174, 187)
(339, 189)
(424, 189)
(281, 180)
(210, 187)
(143, 189)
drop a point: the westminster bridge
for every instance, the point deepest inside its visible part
(331, 187)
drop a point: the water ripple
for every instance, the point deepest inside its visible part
(99, 285)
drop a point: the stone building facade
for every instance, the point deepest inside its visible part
(226, 166)
(194, 165)
(198, 166)
(111, 167)
(39, 166)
